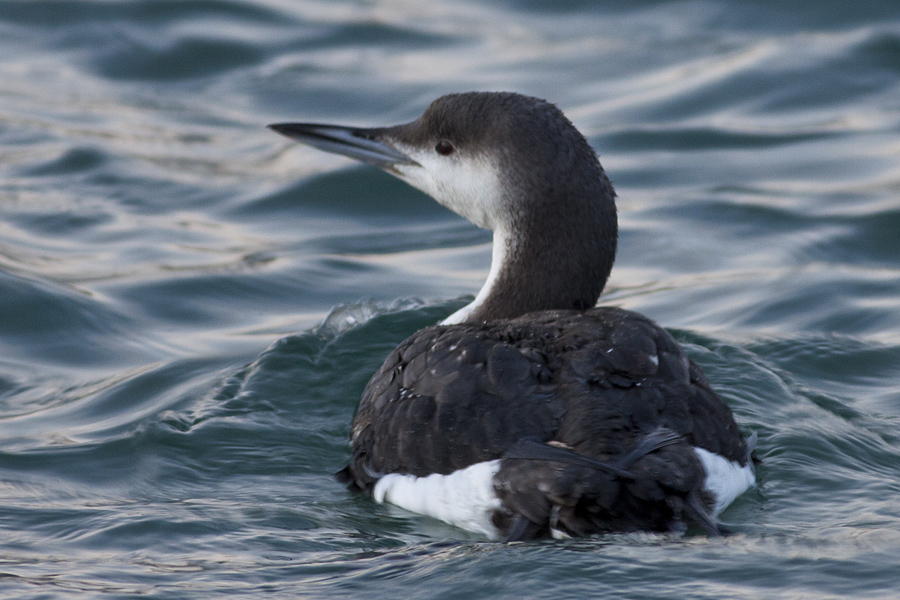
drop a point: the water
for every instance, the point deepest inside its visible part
(190, 305)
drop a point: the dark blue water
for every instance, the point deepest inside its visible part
(191, 305)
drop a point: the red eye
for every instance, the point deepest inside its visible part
(444, 147)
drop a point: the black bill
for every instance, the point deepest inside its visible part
(364, 145)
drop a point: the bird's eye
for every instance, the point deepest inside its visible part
(444, 148)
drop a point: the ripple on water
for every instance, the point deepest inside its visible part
(179, 365)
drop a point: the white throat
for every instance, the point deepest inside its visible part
(498, 259)
(469, 185)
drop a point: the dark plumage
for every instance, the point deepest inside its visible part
(594, 415)
(452, 396)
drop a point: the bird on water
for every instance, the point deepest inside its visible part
(531, 412)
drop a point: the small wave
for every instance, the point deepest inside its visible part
(347, 316)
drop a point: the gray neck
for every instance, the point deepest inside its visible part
(555, 259)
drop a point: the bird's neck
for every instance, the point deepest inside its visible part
(548, 264)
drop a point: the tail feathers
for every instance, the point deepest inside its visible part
(521, 529)
(751, 458)
(529, 449)
(345, 476)
(547, 488)
(653, 441)
(700, 514)
(358, 476)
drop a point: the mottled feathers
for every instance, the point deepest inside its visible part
(605, 384)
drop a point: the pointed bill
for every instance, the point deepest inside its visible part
(363, 145)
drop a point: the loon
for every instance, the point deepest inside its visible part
(532, 413)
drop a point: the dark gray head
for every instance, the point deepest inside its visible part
(509, 163)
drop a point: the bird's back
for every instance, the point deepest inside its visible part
(595, 384)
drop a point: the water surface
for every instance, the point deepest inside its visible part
(190, 305)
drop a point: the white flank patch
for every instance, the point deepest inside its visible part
(725, 479)
(464, 498)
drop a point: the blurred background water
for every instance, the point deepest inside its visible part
(191, 305)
